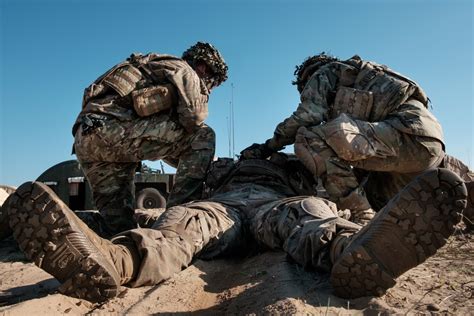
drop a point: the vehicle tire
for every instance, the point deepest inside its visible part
(150, 198)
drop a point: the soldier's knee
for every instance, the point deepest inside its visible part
(206, 132)
(204, 138)
(347, 140)
(431, 152)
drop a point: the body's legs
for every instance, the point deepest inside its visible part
(93, 268)
(196, 229)
(304, 227)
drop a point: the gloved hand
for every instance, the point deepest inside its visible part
(256, 151)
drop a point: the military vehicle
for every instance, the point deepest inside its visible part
(152, 186)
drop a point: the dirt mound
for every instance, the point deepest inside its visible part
(267, 283)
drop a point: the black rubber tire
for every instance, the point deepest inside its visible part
(150, 198)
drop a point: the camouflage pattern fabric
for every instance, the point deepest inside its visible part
(109, 156)
(356, 118)
(196, 229)
(318, 96)
(111, 138)
(344, 150)
(190, 111)
(240, 213)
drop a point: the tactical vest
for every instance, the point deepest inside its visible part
(376, 92)
(286, 173)
(133, 78)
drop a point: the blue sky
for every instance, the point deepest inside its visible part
(52, 50)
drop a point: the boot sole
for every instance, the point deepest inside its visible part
(408, 230)
(5, 230)
(468, 213)
(48, 233)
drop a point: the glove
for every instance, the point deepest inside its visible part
(256, 151)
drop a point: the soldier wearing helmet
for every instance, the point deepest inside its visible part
(148, 107)
(363, 128)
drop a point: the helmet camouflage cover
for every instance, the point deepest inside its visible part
(308, 67)
(208, 54)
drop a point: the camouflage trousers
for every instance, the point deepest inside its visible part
(110, 155)
(231, 221)
(344, 150)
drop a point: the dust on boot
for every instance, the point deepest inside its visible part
(468, 214)
(408, 230)
(5, 230)
(57, 241)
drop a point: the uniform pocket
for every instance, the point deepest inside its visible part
(355, 103)
(154, 99)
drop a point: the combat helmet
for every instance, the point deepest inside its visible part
(304, 71)
(207, 53)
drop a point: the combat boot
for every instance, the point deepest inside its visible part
(5, 230)
(408, 230)
(356, 202)
(468, 214)
(57, 241)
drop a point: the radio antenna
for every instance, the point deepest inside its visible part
(232, 121)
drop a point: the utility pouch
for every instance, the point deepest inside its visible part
(93, 91)
(151, 100)
(353, 102)
(123, 80)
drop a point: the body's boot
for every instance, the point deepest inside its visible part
(408, 230)
(52, 236)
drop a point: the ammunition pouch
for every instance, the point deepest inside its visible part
(151, 100)
(123, 79)
(353, 102)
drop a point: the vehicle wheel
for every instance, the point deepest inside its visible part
(150, 198)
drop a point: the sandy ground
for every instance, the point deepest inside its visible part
(266, 283)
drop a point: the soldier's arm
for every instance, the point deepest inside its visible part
(312, 110)
(192, 97)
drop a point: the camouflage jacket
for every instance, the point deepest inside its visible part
(365, 91)
(142, 71)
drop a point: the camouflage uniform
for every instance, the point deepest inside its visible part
(112, 135)
(252, 204)
(358, 118)
(257, 202)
